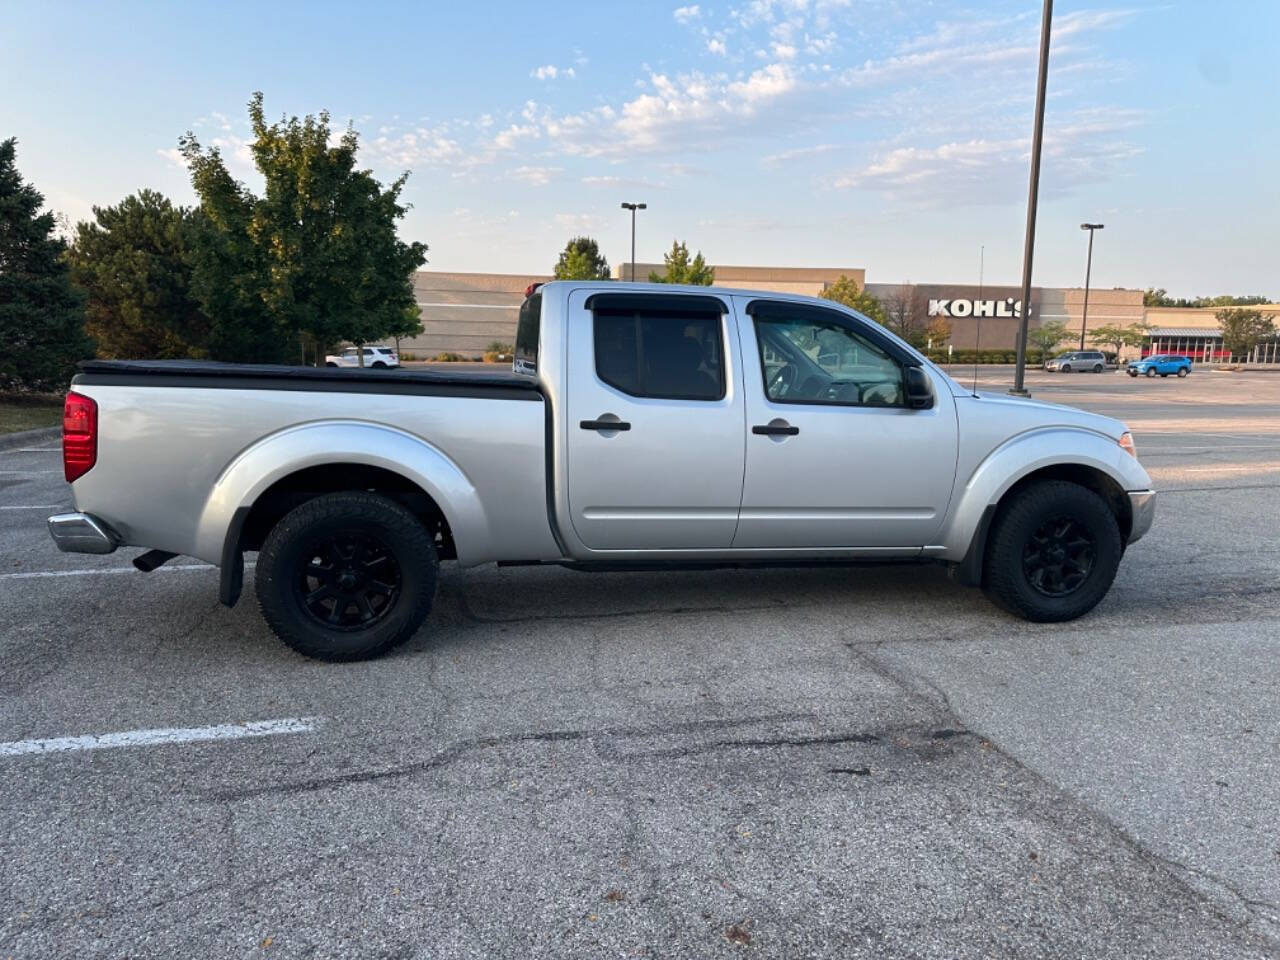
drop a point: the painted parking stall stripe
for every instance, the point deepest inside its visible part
(160, 736)
(105, 571)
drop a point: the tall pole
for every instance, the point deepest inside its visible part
(633, 207)
(1088, 267)
(1033, 193)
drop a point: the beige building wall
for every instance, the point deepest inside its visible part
(465, 312)
(1201, 317)
(807, 281)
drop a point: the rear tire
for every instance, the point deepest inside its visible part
(1183, 371)
(379, 365)
(330, 364)
(1097, 368)
(346, 576)
(1053, 552)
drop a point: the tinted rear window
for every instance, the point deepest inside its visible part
(527, 331)
(668, 354)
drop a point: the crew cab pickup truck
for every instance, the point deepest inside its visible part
(640, 427)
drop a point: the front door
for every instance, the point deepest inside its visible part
(655, 432)
(835, 457)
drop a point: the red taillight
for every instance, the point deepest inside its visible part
(79, 436)
(531, 289)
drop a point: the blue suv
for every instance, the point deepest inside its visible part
(1163, 364)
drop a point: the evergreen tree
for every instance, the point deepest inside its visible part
(680, 269)
(41, 313)
(581, 260)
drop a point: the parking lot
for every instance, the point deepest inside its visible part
(799, 762)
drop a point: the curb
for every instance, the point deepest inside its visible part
(23, 437)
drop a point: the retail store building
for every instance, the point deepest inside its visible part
(465, 312)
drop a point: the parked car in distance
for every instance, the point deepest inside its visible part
(642, 426)
(1163, 364)
(377, 357)
(1078, 361)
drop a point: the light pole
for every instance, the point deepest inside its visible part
(633, 207)
(1088, 266)
(1037, 138)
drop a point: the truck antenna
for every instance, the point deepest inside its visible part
(977, 337)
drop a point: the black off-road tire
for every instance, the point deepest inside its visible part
(1006, 581)
(370, 526)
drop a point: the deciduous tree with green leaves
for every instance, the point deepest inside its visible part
(680, 269)
(1047, 336)
(1242, 330)
(581, 260)
(317, 252)
(41, 313)
(134, 262)
(410, 326)
(846, 291)
(1113, 335)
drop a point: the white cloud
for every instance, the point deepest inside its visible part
(717, 46)
(784, 51)
(174, 156)
(801, 153)
(535, 176)
(550, 72)
(419, 147)
(685, 14)
(580, 222)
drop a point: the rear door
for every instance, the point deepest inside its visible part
(655, 433)
(835, 457)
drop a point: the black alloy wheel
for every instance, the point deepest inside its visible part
(347, 580)
(1059, 557)
(346, 576)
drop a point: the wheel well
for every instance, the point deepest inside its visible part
(1090, 478)
(297, 488)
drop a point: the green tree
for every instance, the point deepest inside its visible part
(581, 260)
(1242, 330)
(1047, 336)
(410, 326)
(1113, 335)
(41, 312)
(680, 269)
(846, 291)
(134, 262)
(317, 252)
(1156, 297)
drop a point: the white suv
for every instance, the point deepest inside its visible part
(379, 357)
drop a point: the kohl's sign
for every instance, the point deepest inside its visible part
(1008, 307)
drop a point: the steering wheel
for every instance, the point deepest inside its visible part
(783, 381)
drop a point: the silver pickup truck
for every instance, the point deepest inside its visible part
(641, 427)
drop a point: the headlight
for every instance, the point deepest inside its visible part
(1127, 445)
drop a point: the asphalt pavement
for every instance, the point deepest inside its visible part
(777, 763)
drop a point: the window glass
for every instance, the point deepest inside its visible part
(827, 363)
(525, 359)
(674, 355)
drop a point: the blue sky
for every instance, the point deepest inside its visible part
(886, 134)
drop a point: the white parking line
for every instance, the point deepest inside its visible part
(147, 738)
(93, 571)
(39, 506)
(32, 450)
(31, 473)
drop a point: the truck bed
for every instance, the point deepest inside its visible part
(208, 374)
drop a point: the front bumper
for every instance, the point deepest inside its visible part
(82, 533)
(1143, 508)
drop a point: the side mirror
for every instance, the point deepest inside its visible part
(919, 388)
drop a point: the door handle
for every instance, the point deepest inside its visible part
(775, 429)
(605, 425)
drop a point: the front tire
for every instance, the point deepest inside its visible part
(1065, 368)
(1151, 371)
(346, 576)
(1053, 553)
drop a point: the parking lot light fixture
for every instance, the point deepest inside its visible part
(633, 207)
(1088, 266)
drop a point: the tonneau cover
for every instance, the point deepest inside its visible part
(208, 374)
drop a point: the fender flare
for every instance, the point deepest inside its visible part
(964, 534)
(278, 455)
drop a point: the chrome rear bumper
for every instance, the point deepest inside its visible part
(81, 533)
(1143, 504)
